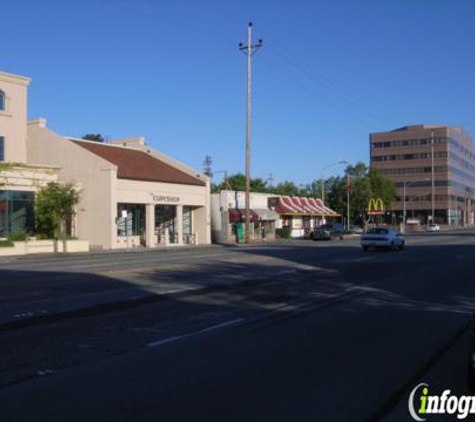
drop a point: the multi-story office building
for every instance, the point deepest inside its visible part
(433, 168)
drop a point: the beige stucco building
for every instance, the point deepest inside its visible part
(130, 194)
(19, 178)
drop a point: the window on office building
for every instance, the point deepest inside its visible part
(16, 212)
(2, 100)
(2, 148)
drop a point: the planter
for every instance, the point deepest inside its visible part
(44, 246)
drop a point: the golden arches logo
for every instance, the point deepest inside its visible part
(375, 206)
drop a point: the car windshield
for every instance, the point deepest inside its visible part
(377, 231)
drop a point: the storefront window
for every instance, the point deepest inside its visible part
(134, 223)
(287, 221)
(16, 212)
(187, 227)
(2, 148)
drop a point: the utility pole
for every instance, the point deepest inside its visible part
(348, 185)
(270, 179)
(323, 190)
(249, 50)
(433, 178)
(404, 209)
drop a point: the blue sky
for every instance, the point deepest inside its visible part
(330, 72)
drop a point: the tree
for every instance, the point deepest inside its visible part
(238, 182)
(314, 189)
(382, 187)
(366, 183)
(286, 188)
(96, 137)
(54, 208)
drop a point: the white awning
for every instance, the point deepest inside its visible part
(266, 214)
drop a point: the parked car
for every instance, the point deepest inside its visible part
(433, 228)
(328, 232)
(382, 237)
(356, 229)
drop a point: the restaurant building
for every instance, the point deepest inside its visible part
(434, 166)
(301, 215)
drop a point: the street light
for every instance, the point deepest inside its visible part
(347, 189)
(347, 194)
(433, 176)
(404, 203)
(323, 179)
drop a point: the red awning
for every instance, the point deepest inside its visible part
(285, 202)
(239, 216)
(300, 204)
(303, 206)
(312, 207)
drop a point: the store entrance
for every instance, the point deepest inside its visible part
(166, 224)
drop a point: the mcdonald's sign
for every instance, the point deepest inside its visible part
(375, 206)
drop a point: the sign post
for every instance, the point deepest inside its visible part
(375, 207)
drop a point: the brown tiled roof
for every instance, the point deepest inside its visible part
(138, 165)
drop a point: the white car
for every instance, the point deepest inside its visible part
(382, 237)
(433, 228)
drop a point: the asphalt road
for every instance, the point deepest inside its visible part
(296, 332)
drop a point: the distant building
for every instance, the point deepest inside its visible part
(228, 217)
(267, 213)
(405, 156)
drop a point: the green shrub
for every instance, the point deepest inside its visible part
(6, 243)
(284, 232)
(17, 236)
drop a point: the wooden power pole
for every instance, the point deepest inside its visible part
(249, 50)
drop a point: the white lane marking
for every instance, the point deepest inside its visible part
(202, 331)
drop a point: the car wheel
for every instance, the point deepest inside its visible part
(365, 248)
(401, 246)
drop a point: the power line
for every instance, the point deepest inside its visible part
(304, 87)
(165, 20)
(329, 86)
(276, 47)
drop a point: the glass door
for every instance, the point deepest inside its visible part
(165, 221)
